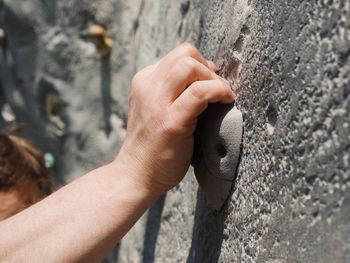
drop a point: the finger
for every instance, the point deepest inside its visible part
(186, 71)
(184, 50)
(194, 100)
(149, 69)
(212, 66)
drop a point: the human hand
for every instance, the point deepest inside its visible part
(166, 100)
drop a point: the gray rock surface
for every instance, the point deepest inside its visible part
(289, 61)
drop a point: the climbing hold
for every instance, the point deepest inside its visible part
(97, 30)
(98, 35)
(217, 151)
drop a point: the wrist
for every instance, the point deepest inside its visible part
(138, 175)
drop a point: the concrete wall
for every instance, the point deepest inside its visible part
(289, 61)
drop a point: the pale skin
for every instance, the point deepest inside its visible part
(85, 219)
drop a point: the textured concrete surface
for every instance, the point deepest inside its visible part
(289, 61)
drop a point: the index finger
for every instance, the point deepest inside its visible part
(184, 50)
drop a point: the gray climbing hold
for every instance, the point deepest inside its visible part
(217, 151)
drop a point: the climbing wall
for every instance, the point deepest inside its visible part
(288, 61)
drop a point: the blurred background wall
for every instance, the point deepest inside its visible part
(289, 61)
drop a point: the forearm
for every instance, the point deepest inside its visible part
(80, 222)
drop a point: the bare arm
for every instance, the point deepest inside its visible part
(82, 221)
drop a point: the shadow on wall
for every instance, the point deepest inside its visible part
(208, 232)
(113, 255)
(207, 237)
(106, 93)
(152, 229)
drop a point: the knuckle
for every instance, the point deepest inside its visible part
(136, 80)
(173, 129)
(170, 126)
(138, 83)
(225, 82)
(189, 64)
(190, 49)
(196, 91)
(224, 86)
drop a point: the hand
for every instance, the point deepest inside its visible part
(166, 100)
